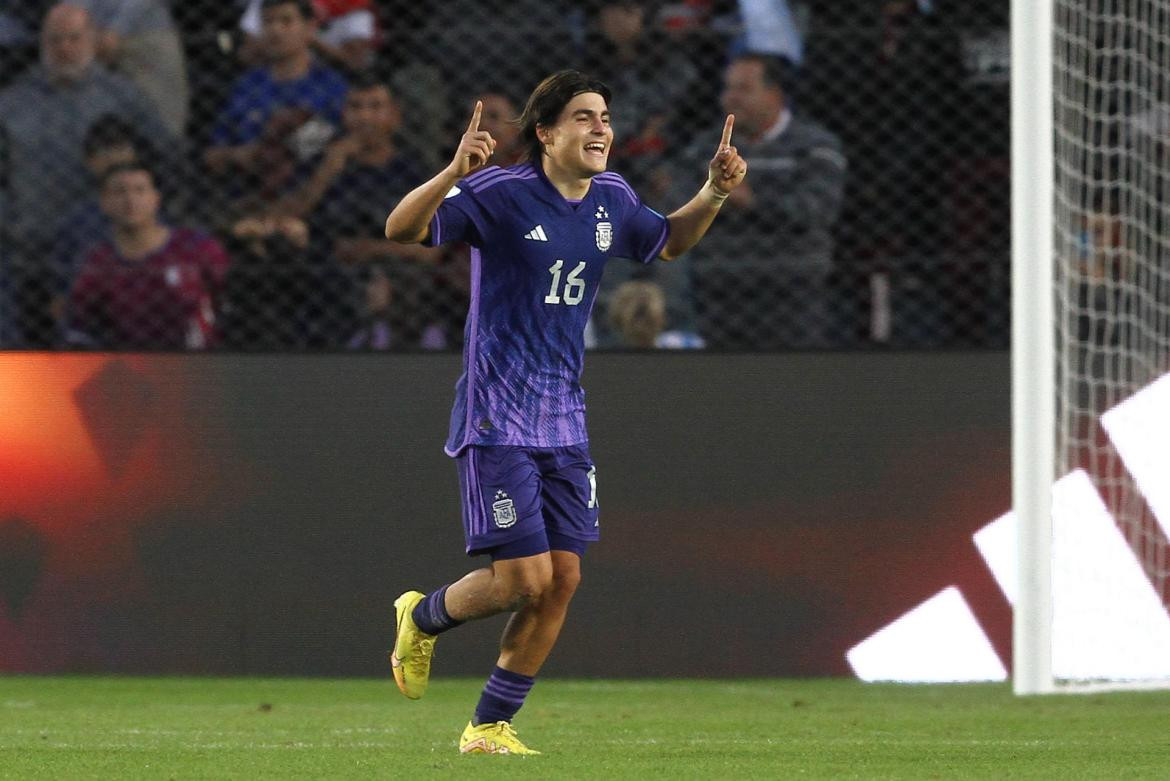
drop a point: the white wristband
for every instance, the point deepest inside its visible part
(716, 195)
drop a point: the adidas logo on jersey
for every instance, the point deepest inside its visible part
(536, 234)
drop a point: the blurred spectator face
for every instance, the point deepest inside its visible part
(637, 312)
(755, 103)
(130, 199)
(285, 32)
(68, 43)
(496, 118)
(371, 113)
(621, 23)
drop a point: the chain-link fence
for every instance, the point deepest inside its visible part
(216, 173)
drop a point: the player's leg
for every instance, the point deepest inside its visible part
(532, 630)
(569, 505)
(500, 489)
(490, 729)
(528, 638)
(508, 584)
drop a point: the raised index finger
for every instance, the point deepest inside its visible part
(726, 140)
(474, 126)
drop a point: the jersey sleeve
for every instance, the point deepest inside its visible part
(643, 231)
(460, 217)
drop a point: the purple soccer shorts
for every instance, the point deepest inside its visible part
(520, 501)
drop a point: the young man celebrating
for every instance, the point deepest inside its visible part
(540, 234)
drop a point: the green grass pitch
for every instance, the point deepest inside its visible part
(215, 728)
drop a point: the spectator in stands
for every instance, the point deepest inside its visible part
(637, 314)
(292, 87)
(277, 120)
(649, 79)
(347, 36)
(46, 114)
(364, 162)
(759, 277)
(638, 318)
(110, 142)
(150, 286)
(44, 117)
(139, 39)
(345, 197)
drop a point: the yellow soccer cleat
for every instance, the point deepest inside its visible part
(494, 738)
(413, 648)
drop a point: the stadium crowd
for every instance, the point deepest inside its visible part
(216, 174)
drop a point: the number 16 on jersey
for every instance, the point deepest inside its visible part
(574, 290)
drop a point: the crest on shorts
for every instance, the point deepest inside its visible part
(604, 235)
(503, 510)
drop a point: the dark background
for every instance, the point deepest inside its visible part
(761, 514)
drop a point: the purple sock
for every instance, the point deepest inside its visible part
(431, 616)
(502, 696)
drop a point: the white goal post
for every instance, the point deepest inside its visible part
(1090, 343)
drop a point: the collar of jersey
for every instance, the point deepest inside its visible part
(551, 195)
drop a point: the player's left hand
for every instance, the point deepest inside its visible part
(726, 169)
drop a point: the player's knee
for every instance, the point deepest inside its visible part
(565, 582)
(526, 585)
(531, 588)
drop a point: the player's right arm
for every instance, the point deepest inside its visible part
(410, 221)
(690, 222)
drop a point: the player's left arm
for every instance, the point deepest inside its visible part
(725, 172)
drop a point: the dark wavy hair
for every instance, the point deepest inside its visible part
(547, 102)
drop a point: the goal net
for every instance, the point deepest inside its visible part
(1103, 584)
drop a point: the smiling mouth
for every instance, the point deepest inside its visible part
(595, 149)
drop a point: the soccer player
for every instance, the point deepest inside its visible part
(541, 233)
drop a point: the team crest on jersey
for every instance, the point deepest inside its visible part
(604, 235)
(503, 510)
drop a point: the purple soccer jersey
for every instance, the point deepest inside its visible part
(536, 262)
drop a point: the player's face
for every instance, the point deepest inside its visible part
(580, 140)
(371, 113)
(285, 32)
(130, 199)
(68, 43)
(756, 105)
